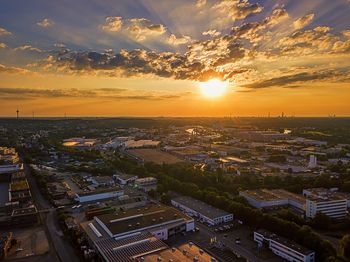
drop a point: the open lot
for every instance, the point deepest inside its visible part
(30, 242)
(154, 155)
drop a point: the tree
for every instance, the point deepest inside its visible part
(321, 221)
(345, 246)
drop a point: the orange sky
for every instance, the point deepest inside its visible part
(148, 58)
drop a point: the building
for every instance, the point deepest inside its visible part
(208, 214)
(282, 247)
(325, 201)
(98, 194)
(130, 234)
(188, 252)
(9, 161)
(312, 161)
(80, 142)
(146, 183)
(265, 198)
(124, 179)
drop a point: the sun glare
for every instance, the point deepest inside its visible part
(213, 88)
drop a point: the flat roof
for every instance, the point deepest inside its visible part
(141, 218)
(200, 207)
(324, 194)
(274, 194)
(286, 242)
(128, 248)
(184, 253)
(99, 191)
(24, 211)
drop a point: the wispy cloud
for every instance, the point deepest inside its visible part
(45, 23)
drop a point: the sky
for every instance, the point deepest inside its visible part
(151, 57)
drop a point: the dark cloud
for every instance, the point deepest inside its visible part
(302, 77)
(104, 93)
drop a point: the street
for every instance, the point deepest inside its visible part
(60, 248)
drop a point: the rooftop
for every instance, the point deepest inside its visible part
(126, 249)
(324, 194)
(187, 252)
(200, 207)
(99, 191)
(24, 211)
(140, 218)
(275, 194)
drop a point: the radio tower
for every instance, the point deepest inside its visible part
(17, 113)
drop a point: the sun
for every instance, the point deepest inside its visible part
(213, 88)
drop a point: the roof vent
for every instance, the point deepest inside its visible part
(195, 259)
(129, 225)
(154, 220)
(184, 252)
(161, 218)
(190, 244)
(159, 259)
(213, 259)
(173, 249)
(201, 251)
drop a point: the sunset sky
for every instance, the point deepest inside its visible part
(153, 57)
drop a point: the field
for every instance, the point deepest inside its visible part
(154, 155)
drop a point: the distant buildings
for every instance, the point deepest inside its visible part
(80, 142)
(201, 210)
(124, 179)
(325, 201)
(312, 161)
(9, 161)
(282, 247)
(146, 183)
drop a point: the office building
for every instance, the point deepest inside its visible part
(282, 247)
(325, 201)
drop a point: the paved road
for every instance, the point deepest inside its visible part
(60, 249)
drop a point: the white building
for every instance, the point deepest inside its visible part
(206, 213)
(96, 195)
(284, 248)
(161, 221)
(313, 161)
(265, 198)
(146, 183)
(123, 179)
(326, 201)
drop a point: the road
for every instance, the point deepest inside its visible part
(60, 249)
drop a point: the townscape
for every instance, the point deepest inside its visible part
(175, 189)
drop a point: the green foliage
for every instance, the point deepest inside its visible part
(345, 246)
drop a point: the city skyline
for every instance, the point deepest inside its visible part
(174, 58)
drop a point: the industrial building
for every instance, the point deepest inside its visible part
(282, 247)
(98, 194)
(126, 235)
(206, 213)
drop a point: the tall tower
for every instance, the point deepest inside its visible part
(17, 113)
(312, 161)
